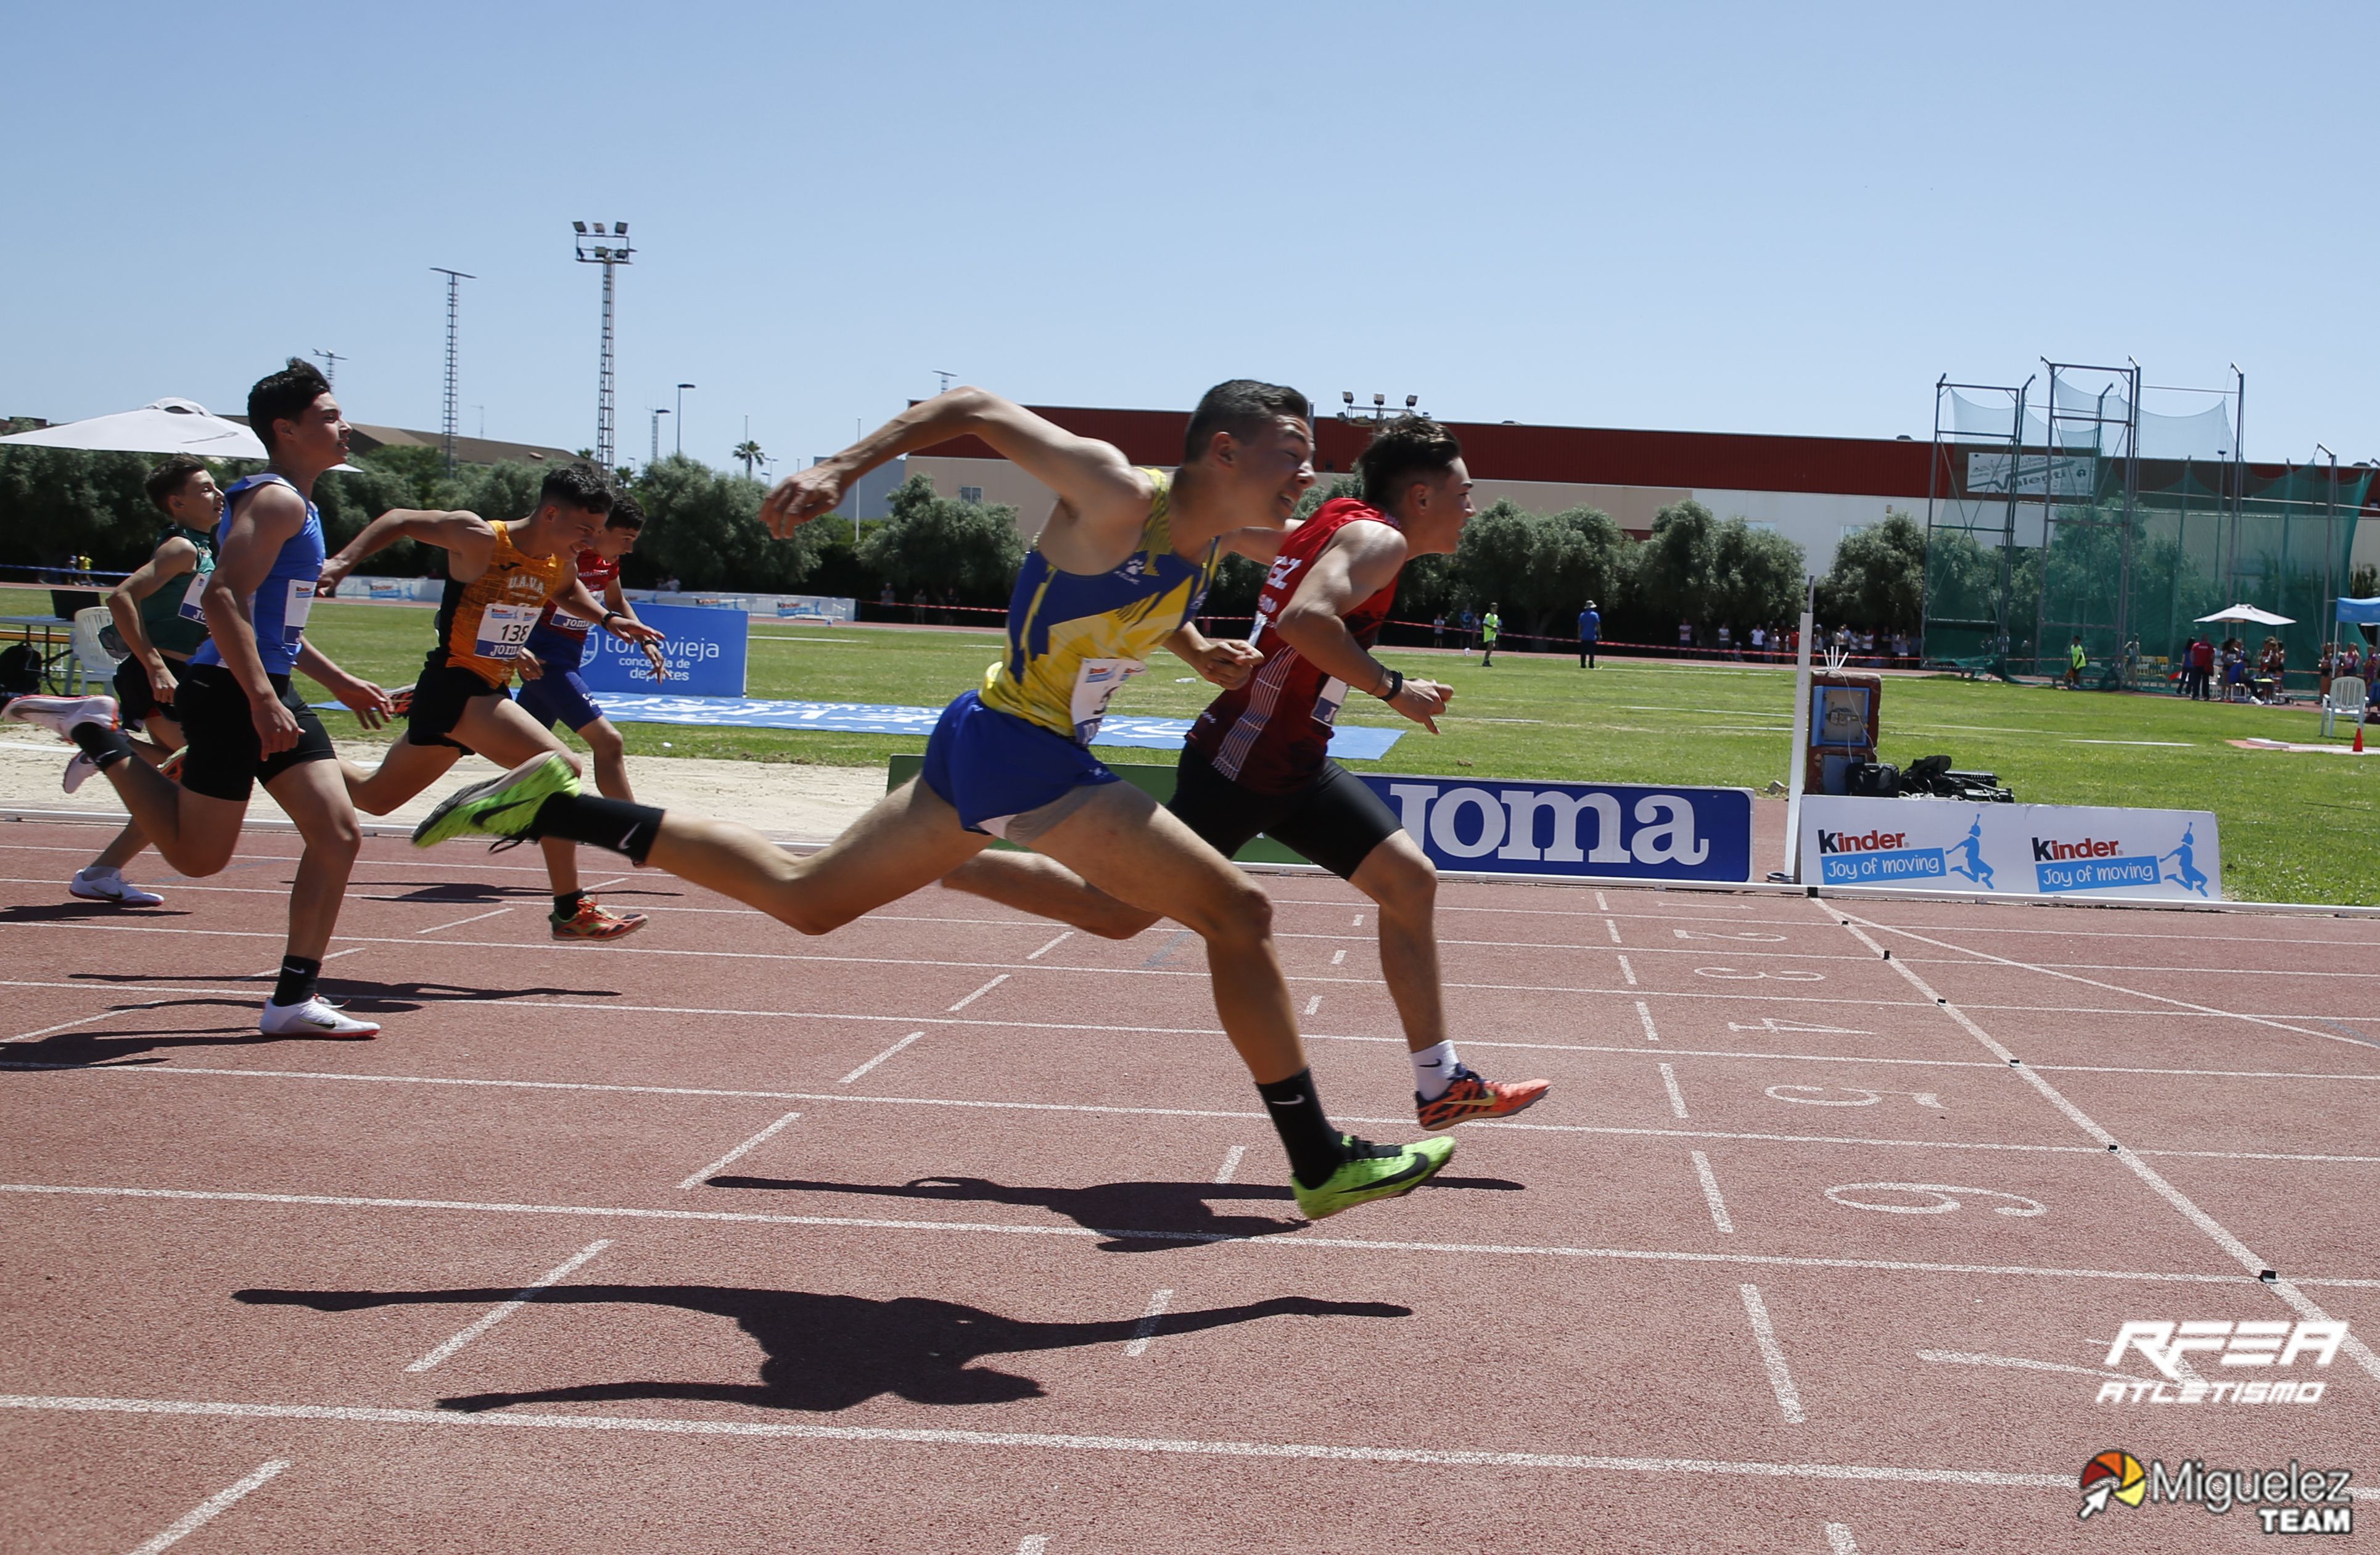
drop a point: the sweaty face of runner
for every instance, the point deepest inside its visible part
(575, 529)
(612, 542)
(199, 504)
(1437, 508)
(1269, 469)
(318, 437)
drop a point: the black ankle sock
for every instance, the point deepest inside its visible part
(565, 903)
(1313, 1145)
(613, 824)
(297, 984)
(105, 747)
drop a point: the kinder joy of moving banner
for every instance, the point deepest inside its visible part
(704, 650)
(2016, 849)
(1485, 826)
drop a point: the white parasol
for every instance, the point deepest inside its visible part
(165, 426)
(2251, 615)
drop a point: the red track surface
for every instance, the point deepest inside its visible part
(910, 1313)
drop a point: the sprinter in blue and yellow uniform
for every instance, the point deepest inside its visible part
(1118, 570)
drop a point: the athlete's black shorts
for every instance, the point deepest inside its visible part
(225, 756)
(1336, 822)
(439, 698)
(135, 700)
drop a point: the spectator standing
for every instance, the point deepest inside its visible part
(917, 606)
(2321, 674)
(887, 601)
(1438, 630)
(2202, 666)
(1468, 623)
(2075, 660)
(1490, 625)
(1760, 643)
(1686, 636)
(1726, 642)
(1590, 632)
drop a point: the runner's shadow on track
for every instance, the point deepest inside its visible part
(94, 1050)
(825, 1353)
(1136, 1216)
(463, 893)
(374, 998)
(72, 912)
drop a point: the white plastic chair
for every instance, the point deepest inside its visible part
(2347, 694)
(91, 658)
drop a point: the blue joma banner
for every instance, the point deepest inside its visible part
(704, 650)
(1580, 829)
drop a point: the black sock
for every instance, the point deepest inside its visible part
(613, 824)
(297, 984)
(565, 903)
(105, 747)
(1313, 1145)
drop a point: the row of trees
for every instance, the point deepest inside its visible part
(704, 530)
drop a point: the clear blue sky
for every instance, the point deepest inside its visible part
(1743, 218)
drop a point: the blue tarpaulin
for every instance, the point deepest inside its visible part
(1352, 742)
(2360, 613)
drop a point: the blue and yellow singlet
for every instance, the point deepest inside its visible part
(1074, 639)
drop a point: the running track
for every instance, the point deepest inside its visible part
(953, 1233)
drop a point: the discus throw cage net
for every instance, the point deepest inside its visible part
(2084, 502)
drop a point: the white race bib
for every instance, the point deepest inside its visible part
(300, 604)
(502, 629)
(1327, 700)
(1094, 682)
(193, 608)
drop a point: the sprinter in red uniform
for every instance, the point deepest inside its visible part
(1258, 760)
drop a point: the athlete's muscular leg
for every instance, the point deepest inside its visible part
(911, 838)
(1121, 842)
(192, 832)
(404, 772)
(610, 753)
(499, 729)
(165, 737)
(1047, 889)
(1400, 878)
(315, 796)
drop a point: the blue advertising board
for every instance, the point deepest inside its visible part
(704, 650)
(1586, 829)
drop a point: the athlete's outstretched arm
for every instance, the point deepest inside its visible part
(465, 537)
(1361, 560)
(1225, 661)
(1091, 478)
(368, 702)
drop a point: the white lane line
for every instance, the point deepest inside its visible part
(1314, 1003)
(2062, 1482)
(1613, 925)
(460, 922)
(1032, 1544)
(1772, 1354)
(1669, 1084)
(1600, 905)
(1053, 945)
(504, 1309)
(1339, 956)
(2297, 1300)
(737, 1154)
(1710, 1194)
(1858, 925)
(1644, 1013)
(1299, 1241)
(1839, 1540)
(1358, 923)
(979, 992)
(1147, 1329)
(213, 1506)
(1231, 1167)
(606, 885)
(70, 1024)
(1627, 972)
(879, 1058)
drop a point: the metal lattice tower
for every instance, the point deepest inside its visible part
(607, 249)
(455, 279)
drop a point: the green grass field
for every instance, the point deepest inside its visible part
(2298, 828)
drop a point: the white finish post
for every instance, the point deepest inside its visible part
(1801, 754)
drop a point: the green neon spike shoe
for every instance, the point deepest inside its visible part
(501, 806)
(1373, 1171)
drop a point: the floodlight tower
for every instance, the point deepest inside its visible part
(610, 250)
(455, 279)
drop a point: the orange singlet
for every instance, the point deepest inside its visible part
(482, 624)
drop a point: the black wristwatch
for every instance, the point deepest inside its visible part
(1396, 684)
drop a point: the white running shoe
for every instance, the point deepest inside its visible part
(60, 714)
(313, 1018)
(95, 884)
(79, 771)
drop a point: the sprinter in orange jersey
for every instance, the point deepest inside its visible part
(499, 579)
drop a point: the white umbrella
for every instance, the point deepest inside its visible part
(165, 426)
(2250, 613)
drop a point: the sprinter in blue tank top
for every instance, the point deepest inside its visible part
(244, 722)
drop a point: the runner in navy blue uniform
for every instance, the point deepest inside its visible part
(1258, 760)
(245, 722)
(552, 688)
